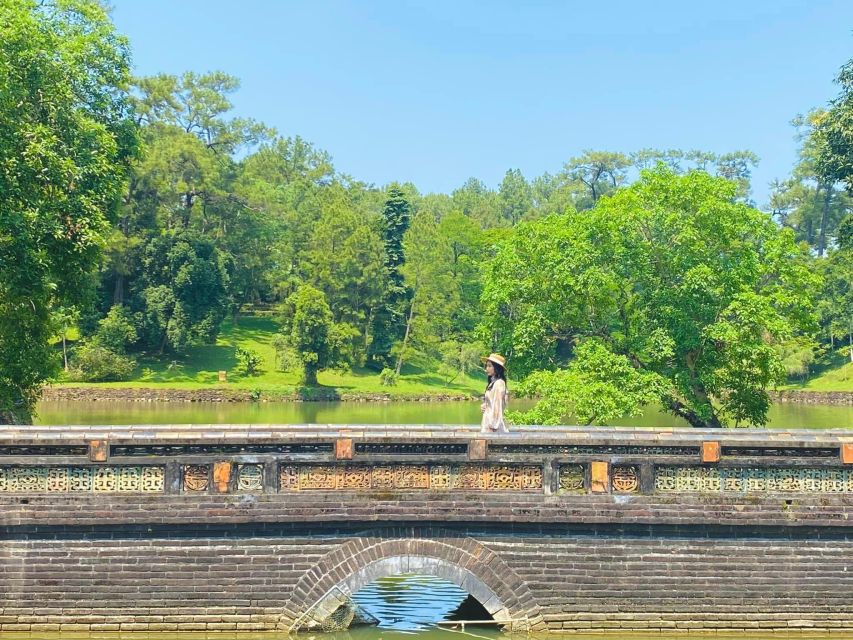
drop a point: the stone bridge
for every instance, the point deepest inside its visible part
(230, 527)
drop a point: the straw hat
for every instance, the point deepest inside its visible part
(496, 358)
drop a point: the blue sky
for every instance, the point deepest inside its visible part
(434, 92)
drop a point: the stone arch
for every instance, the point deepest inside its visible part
(377, 554)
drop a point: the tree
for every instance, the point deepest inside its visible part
(428, 276)
(599, 171)
(835, 130)
(184, 291)
(66, 139)
(837, 296)
(312, 332)
(515, 197)
(389, 321)
(808, 202)
(668, 289)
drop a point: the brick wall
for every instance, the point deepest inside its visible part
(584, 562)
(232, 528)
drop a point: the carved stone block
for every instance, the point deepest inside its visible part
(99, 450)
(599, 476)
(710, 452)
(477, 449)
(343, 448)
(221, 476)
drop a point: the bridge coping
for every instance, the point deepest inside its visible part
(529, 434)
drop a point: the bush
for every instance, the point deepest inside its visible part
(116, 330)
(388, 377)
(249, 360)
(93, 362)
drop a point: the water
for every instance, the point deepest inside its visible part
(409, 602)
(782, 416)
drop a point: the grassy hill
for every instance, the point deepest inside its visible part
(199, 367)
(837, 375)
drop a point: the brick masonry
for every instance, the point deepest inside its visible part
(546, 559)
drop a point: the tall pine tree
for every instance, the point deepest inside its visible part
(389, 320)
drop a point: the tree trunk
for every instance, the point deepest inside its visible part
(850, 339)
(824, 218)
(64, 352)
(310, 375)
(683, 411)
(118, 290)
(405, 337)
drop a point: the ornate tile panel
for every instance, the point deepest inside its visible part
(625, 479)
(196, 477)
(250, 477)
(571, 477)
(477, 477)
(753, 480)
(81, 479)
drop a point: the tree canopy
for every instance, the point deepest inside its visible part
(66, 139)
(670, 289)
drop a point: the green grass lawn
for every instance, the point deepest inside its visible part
(199, 368)
(835, 375)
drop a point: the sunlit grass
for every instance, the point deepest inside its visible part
(199, 369)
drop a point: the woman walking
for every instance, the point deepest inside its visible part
(496, 396)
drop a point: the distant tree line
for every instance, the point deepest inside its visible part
(141, 211)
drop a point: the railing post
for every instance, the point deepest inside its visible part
(99, 450)
(478, 449)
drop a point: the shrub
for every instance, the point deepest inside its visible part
(93, 362)
(388, 377)
(249, 360)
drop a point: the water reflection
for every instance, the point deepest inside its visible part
(409, 601)
(782, 416)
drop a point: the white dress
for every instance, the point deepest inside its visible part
(493, 417)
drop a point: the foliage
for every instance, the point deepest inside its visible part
(597, 386)
(249, 360)
(313, 334)
(65, 141)
(117, 330)
(672, 274)
(94, 362)
(388, 319)
(835, 130)
(388, 377)
(184, 296)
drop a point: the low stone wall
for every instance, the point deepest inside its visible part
(154, 394)
(813, 397)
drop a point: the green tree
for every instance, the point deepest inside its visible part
(807, 202)
(836, 302)
(515, 197)
(600, 172)
(672, 283)
(65, 142)
(312, 331)
(835, 131)
(428, 275)
(117, 330)
(184, 291)
(389, 320)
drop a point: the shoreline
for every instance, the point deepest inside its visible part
(60, 393)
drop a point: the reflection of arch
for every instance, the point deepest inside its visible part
(462, 561)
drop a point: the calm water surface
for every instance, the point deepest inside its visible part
(782, 416)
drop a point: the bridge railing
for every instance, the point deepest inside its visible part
(253, 459)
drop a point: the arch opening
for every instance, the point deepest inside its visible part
(413, 601)
(464, 592)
